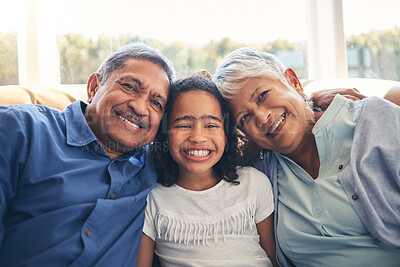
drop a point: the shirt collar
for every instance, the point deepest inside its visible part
(78, 131)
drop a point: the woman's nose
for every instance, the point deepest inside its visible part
(261, 118)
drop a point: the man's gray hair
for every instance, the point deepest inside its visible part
(242, 64)
(135, 50)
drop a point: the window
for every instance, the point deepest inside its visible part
(8, 44)
(64, 41)
(192, 34)
(372, 30)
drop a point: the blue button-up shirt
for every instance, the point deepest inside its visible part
(63, 201)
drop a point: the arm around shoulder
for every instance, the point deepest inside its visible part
(393, 95)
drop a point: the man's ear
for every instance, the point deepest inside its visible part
(93, 85)
(292, 79)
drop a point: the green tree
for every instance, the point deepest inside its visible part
(8, 58)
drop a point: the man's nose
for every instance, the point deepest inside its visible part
(139, 105)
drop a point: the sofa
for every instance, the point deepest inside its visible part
(387, 89)
(54, 96)
(61, 96)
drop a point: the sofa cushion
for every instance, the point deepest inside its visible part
(57, 97)
(368, 87)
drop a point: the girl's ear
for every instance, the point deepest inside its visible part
(292, 79)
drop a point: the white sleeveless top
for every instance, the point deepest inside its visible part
(214, 227)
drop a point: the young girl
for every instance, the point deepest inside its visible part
(205, 211)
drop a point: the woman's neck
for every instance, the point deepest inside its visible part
(306, 155)
(197, 182)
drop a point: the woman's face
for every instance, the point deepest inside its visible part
(273, 113)
(196, 134)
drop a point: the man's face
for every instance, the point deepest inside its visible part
(124, 113)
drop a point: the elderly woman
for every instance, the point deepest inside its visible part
(336, 174)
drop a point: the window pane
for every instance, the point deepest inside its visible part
(373, 38)
(192, 34)
(8, 44)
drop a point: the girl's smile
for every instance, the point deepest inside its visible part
(196, 134)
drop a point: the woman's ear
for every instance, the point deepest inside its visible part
(292, 79)
(93, 85)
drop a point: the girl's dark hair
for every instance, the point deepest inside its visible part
(165, 167)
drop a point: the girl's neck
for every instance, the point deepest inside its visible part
(197, 182)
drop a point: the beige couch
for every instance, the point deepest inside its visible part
(54, 96)
(63, 95)
(370, 87)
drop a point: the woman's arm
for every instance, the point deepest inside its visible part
(265, 229)
(146, 252)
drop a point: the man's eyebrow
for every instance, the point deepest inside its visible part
(124, 78)
(161, 98)
(135, 80)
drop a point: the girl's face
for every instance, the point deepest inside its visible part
(273, 113)
(196, 134)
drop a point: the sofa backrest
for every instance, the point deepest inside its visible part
(57, 97)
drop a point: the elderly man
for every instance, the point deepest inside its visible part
(73, 184)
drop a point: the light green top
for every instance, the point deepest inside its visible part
(317, 226)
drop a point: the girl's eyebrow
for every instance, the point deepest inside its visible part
(192, 118)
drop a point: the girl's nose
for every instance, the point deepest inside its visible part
(198, 135)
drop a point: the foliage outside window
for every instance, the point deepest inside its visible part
(371, 55)
(375, 54)
(79, 57)
(8, 58)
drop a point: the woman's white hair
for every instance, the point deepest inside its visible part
(242, 64)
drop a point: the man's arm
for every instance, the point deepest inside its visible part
(393, 95)
(323, 98)
(12, 153)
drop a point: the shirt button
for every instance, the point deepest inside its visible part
(88, 233)
(112, 195)
(354, 197)
(340, 167)
(96, 148)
